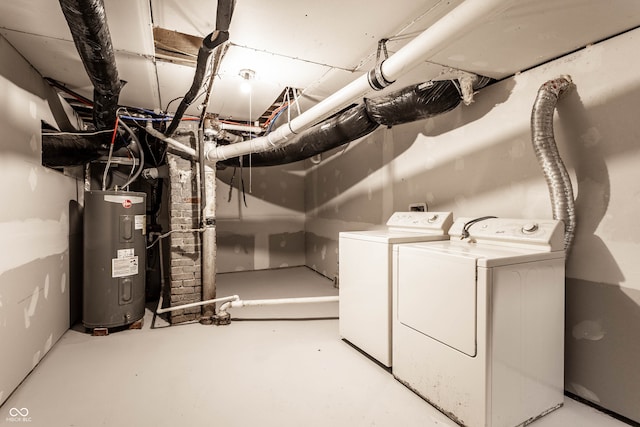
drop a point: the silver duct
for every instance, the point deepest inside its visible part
(544, 144)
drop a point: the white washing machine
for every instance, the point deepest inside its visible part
(365, 265)
(478, 322)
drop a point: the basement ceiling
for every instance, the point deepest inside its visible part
(314, 47)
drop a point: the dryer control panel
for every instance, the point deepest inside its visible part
(545, 233)
(421, 221)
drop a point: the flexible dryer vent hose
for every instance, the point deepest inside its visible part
(544, 145)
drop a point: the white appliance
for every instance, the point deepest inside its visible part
(365, 277)
(478, 321)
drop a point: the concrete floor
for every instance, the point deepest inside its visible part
(250, 373)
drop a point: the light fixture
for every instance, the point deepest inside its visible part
(246, 74)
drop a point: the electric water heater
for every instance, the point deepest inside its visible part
(114, 258)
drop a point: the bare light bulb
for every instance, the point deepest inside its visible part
(245, 87)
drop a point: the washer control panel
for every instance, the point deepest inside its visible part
(421, 220)
(544, 232)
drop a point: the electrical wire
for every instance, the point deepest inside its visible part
(172, 101)
(99, 132)
(108, 165)
(274, 114)
(269, 128)
(141, 152)
(468, 224)
(249, 122)
(133, 163)
(168, 233)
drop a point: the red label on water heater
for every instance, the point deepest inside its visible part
(126, 204)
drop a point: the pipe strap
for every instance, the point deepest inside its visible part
(376, 79)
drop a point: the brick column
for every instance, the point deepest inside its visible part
(184, 213)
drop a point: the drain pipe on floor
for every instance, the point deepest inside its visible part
(224, 318)
(460, 20)
(159, 309)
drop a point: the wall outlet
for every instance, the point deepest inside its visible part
(418, 207)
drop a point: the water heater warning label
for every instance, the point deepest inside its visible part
(141, 223)
(122, 267)
(125, 253)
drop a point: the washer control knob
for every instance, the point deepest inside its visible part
(433, 218)
(529, 228)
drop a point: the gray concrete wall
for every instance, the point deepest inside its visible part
(40, 228)
(478, 160)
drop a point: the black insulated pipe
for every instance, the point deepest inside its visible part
(209, 43)
(224, 12)
(347, 126)
(88, 24)
(413, 103)
(409, 104)
(69, 149)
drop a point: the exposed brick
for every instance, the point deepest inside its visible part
(184, 299)
(181, 262)
(185, 246)
(182, 276)
(182, 291)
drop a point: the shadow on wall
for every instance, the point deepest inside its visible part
(365, 156)
(279, 185)
(269, 187)
(503, 167)
(602, 343)
(586, 149)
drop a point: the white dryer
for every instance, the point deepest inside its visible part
(365, 266)
(478, 321)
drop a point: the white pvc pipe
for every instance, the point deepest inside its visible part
(222, 134)
(226, 300)
(457, 22)
(241, 128)
(222, 311)
(176, 145)
(160, 310)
